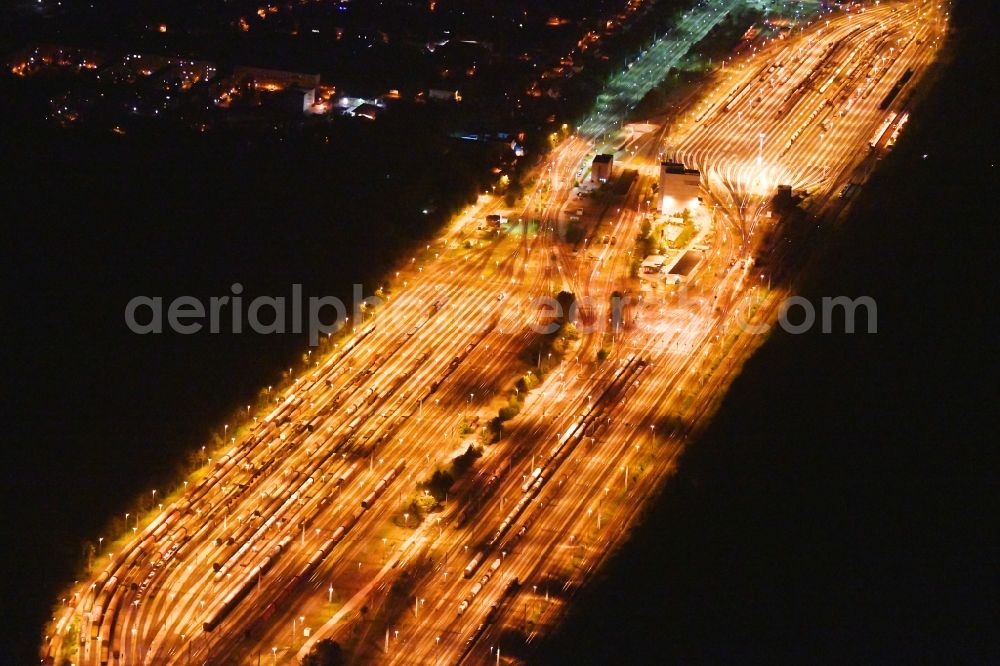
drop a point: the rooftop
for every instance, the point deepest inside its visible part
(678, 168)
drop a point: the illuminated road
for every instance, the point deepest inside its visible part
(300, 522)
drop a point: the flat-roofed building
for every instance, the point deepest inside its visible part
(601, 167)
(653, 264)
(366, 111)
(681, 270)
(444, 95)
(275, 79)
(680, 188)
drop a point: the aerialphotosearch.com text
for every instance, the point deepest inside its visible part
(318, 316)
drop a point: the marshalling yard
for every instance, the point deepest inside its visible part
(302, 527)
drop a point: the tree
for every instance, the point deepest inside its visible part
(439, 483)
(574, 232)
(460, 464)
(325, 653)
(645, 228)
(567, 303)
(514, 192)
(507, 412)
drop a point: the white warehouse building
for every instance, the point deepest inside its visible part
(679, 188)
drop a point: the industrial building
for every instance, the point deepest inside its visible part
(273, 80)
(600, 168)
(653, 264)
(367, 111)
(292, 100)
(444, 95)
(679, 188)
(682, 267)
